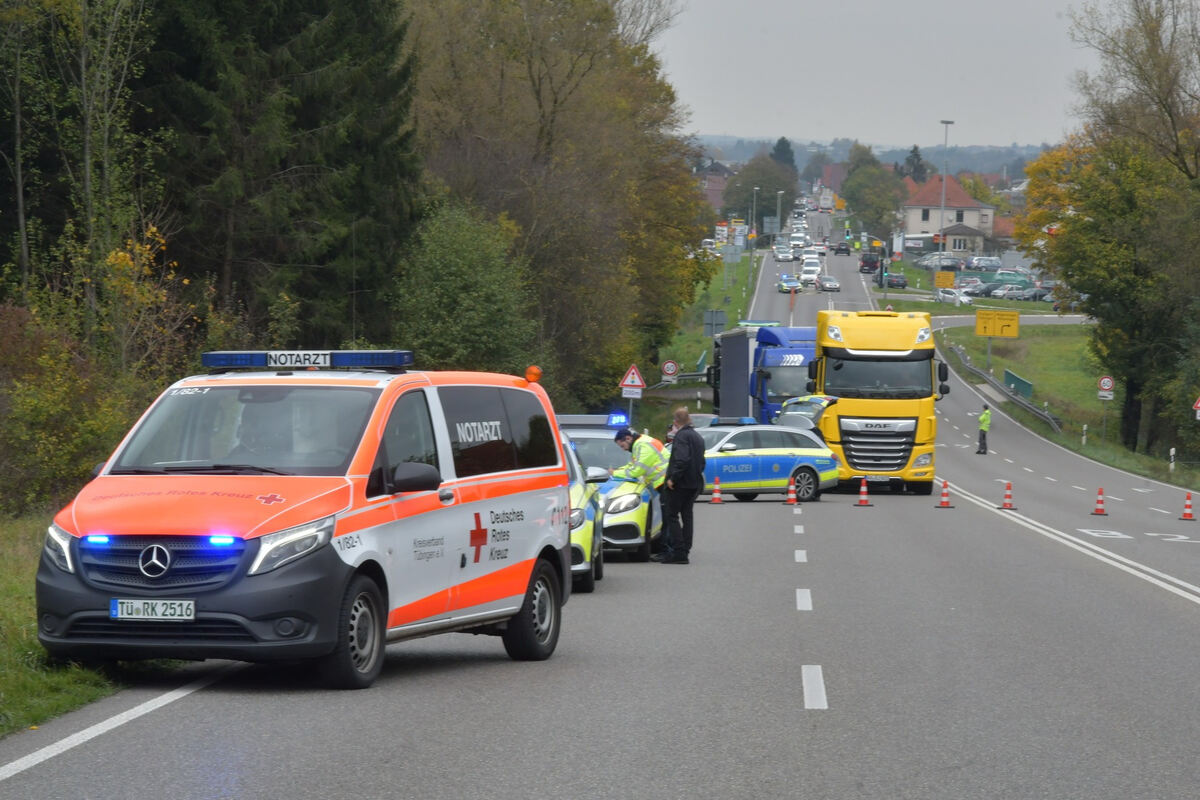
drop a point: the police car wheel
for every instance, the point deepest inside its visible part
(357, 659)
(598, 563)
(586, 582)
(806, 485)
(532, 633)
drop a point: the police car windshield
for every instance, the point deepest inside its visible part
(598, 450)
(300, 430)
(890, 379)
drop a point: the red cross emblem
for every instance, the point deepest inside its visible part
(269, 499)
(478, 537)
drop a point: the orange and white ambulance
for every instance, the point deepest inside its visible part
(316, 505)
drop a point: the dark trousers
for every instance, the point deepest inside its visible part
(982, 441)
(677, 508)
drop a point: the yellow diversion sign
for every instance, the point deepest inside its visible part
(1005, 324)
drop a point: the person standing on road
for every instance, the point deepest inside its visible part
(685, 480)
(985, 422)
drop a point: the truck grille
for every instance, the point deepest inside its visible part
(194, 563)
(878, 445)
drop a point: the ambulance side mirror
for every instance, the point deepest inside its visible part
(415, 477)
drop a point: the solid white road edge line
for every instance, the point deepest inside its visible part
(1160, 579)
(87, 734)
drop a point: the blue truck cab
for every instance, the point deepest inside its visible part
(758, 366)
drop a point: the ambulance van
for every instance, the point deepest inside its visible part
(317, 505)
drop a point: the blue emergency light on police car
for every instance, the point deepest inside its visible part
(304, 359)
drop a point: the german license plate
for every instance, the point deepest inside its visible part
(157, 610)
(878, 479)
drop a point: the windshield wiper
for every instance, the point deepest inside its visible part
(229, 468)
(136, 471)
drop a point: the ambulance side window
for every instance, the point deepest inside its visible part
(480, 437)
(407, 437)
(533, 436)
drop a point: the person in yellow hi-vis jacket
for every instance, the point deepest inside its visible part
(646, 463)
(985, 422)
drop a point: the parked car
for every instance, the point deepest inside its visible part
(968, 282)
(897, 280)
(982, 289)
(828, 283)
(956, 296)
(1009, 291)
(1035, 293)
(944, 261)
(984, 263)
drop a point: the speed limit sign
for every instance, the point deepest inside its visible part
(670, 368)
(1105, 384)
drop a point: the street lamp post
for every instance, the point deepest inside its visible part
(778, 213)
(942, 214)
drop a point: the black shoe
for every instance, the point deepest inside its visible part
(659, 557)
(676, 560)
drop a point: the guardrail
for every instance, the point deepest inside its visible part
(1009, 392)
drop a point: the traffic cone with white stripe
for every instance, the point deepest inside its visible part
(1187, 509)
(863, 498)
(716, 494)
(1099, 511)
(1008, 503)
(791, 495)
(945, 496)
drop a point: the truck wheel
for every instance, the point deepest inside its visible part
(532, 633)
(806, 485)
(357, 659)
(745, 497)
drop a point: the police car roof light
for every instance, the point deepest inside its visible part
(617, 419)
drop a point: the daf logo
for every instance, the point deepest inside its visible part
(883, 426)
(154, 561)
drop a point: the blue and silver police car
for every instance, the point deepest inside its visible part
(762, 459)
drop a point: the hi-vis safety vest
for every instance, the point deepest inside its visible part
(647, 462)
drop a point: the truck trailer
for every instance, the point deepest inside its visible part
(757, 366)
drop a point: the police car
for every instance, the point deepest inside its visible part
(803, 411)
(753, 459)
(587, 548)
(317, 505)
(632, 519)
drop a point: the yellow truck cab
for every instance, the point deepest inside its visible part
(881, 366)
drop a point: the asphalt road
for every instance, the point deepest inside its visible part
(829, 650)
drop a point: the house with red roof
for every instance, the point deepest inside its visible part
(967, 223)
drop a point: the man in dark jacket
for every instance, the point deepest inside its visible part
(685, 480)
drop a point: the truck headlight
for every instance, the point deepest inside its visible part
(923, 460)
(626, 502)
(282, 547)
(576, 518)
(58, 548)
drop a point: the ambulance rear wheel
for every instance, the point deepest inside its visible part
(806, 485)
(532, 634)
(357, 659)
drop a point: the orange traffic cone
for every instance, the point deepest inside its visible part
(1099, 511)
(863, 500)
(1008, 503)
(945, 496)
(791, 495)
(716, 495)
(1187, 509)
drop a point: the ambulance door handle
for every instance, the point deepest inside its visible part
(462, 561)
(446, 495)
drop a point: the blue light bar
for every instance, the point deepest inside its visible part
(304, 359)
(97, 538)
(220, 541)
(617, 419)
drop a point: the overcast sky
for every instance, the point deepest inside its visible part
(867, 70)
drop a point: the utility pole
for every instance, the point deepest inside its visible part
(942, 213)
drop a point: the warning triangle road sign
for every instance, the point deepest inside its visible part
(632, 379)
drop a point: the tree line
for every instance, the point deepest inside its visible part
(488, 183)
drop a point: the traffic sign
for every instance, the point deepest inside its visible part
(1196, 405)
(670, 368)
(1106, 384)
(635, 394)
(632, 379)
(1104, 394)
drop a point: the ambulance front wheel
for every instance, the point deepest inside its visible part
(532, 634)
(357, 659)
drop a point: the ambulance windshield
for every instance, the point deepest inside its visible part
(296, 430)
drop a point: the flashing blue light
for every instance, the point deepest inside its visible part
(220, 541)
(617, 419)
(303, 359)
(98, 538)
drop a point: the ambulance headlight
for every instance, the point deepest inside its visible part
(626, 502)
(58, 548)
(923, 460)
(576, 518)
(277, 549)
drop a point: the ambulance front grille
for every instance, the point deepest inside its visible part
(194, 563)
(211, 631)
